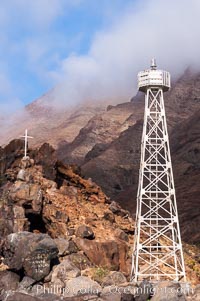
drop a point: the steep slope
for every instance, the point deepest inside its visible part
(185, 141)
(58, 229)
(47, 122)
(105, 127)
(101, 130)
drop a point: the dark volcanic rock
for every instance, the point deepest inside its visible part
(10, 153)
(47, 158)
(8, 281)
(80, 261)
(26, 284)
(27, 195)
(114, 278)
(16, 296)
(64, 271)
(65, 247)
(108, 254)
(121, 234)
(32, 252)
(168, 291)
(84, 231)
(82, 285)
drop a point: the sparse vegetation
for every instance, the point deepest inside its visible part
(98, 273)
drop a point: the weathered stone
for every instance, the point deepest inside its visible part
(84, 231)
(47, 158)
(26, 162)
(27, 194)
(10, 153)
(110, 293)
(30, 251)
(114, 278)
(168, 291)
(17, 296)
(21, 175)
(64, 271)
(116, 209)
(8, 281)
(26, 284)
(196, 295)
(121, 235)
(70, 231)
(109, 216)
(50, 291)
(80, 261)
(108, 254)
(65, 247)
(82, 285)
(128, 297)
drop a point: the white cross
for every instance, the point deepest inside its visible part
(26, 137)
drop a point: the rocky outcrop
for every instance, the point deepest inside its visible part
(75, 231)
(9, 154)
(84, 231)
(108, 254)
(31, 252)
(83, 285)
(171, 291)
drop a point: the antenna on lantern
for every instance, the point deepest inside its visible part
(153, 64)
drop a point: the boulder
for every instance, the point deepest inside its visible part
(196, 295)
(108, 254)
(121, 235)
(10, 153)
(8, 281)
(6, 220)
(116, 209)
(108, 215)
(65, 247)
(168, 291)
(84, 231)
(27, 195)
(46, 157)
(26, 284)
(127, 297)
(55, 215)
(17, 296)
(21, 175)
(65, 271)
(111, 293)
(12, 219)
(32, 252)
(80, 261)
(114, 278)
(82, 286)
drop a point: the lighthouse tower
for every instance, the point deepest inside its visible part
(157, 252)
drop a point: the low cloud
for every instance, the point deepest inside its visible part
(167, 30)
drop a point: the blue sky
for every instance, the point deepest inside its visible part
(36, 35)
(91, 49)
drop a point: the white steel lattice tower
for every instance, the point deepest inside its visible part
(157, 253)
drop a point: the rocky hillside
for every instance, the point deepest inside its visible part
(62, 238)
(47, 121)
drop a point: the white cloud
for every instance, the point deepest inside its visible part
(168, 30)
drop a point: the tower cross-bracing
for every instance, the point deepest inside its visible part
(157, 251)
